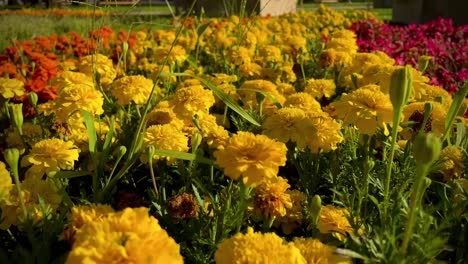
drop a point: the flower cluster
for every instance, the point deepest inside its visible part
(445, 44)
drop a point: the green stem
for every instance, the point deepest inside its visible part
(396, 123)
(14, 171)
(421, 172)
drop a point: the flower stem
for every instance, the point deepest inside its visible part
(396, 123)
(416, 195)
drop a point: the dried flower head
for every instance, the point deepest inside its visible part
(182, 206)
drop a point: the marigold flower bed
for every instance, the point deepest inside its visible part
(237, 140)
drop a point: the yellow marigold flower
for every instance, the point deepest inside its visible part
(319, 88)
(334, 220)
(423, 92)
(326, 132)
(332, 57)
(294, 216)
(315, 252)
(285, 89)
(135, 89)
(49, 156)
(213, 134)
(129, 236)
(452, 166)
(177, 54)
(249, 96)
(344, 34)
(239, 55)
(10, 88)
(250, 70)
(270, 54)
(302, 101)
(100, 64)
(192, 100)
(367, 108)
(84, 214)
(161, 114)
(165, 137)
(271, 198)
(67, 65)
(378, 74)
(31, 190)
(5, 181)
(31, 134)
(415, 112)
(287, 124)
(79, 134)
(313, 129)
(258, 248)
(67, 78)
(254, 157)
(73, 98)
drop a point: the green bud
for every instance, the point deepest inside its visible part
(426, 148)
(33, 98)
(150, 153)
(401, 84)
(122, 151)
(11, 156)
(125, 48)
(315, 208)
(16, 115)
(423, 62)
(196, 141)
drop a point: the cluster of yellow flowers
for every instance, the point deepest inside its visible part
(100, 235)
(254, 63)
(254, 247)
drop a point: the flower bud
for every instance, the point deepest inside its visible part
(16, 115)
(150, 153)
(315, 208)
(196, 141)
(124, 48)
(426, 148)
(11, 156)
(401, 84)
(33, 99)
(423, 62)
(122, 151)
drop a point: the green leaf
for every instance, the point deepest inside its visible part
(266, 94)
(200, 201)
(109, 135)
(91, 130)
(183, 156)
(221, 95)
(454, 109)
(203, 28)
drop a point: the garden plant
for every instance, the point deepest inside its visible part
(304, 138)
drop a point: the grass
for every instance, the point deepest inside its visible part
(25, 27)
